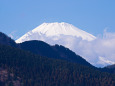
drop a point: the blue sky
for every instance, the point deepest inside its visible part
(20, 16)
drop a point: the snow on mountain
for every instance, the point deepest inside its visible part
(79, 41)
(55, 29)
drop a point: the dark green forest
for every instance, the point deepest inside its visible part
(35, 70)
(56, 51)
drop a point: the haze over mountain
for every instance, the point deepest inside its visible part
(91, 48)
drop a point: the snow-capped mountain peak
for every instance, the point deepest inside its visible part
(56, 29)
(60, 33)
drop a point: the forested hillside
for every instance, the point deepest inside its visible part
(34, 70)
(4, 39)
(56, 51)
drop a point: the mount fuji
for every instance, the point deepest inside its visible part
(91, 48)
(55, 31)
(77, 40)
(63, 34)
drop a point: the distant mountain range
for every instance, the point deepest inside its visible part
(29, 64)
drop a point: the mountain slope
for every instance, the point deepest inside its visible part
(33, 70)
(4, 39)
(58, 52)
(110, 68)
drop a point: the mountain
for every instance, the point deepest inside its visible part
(4, 39)
(44, 49)
(110, 68)
(63, 34)
(55, 30)
(56, 51)
(22, 68)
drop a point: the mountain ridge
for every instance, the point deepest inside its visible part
(56, 51)
(4, 39)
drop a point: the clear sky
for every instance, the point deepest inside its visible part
(20, 16)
